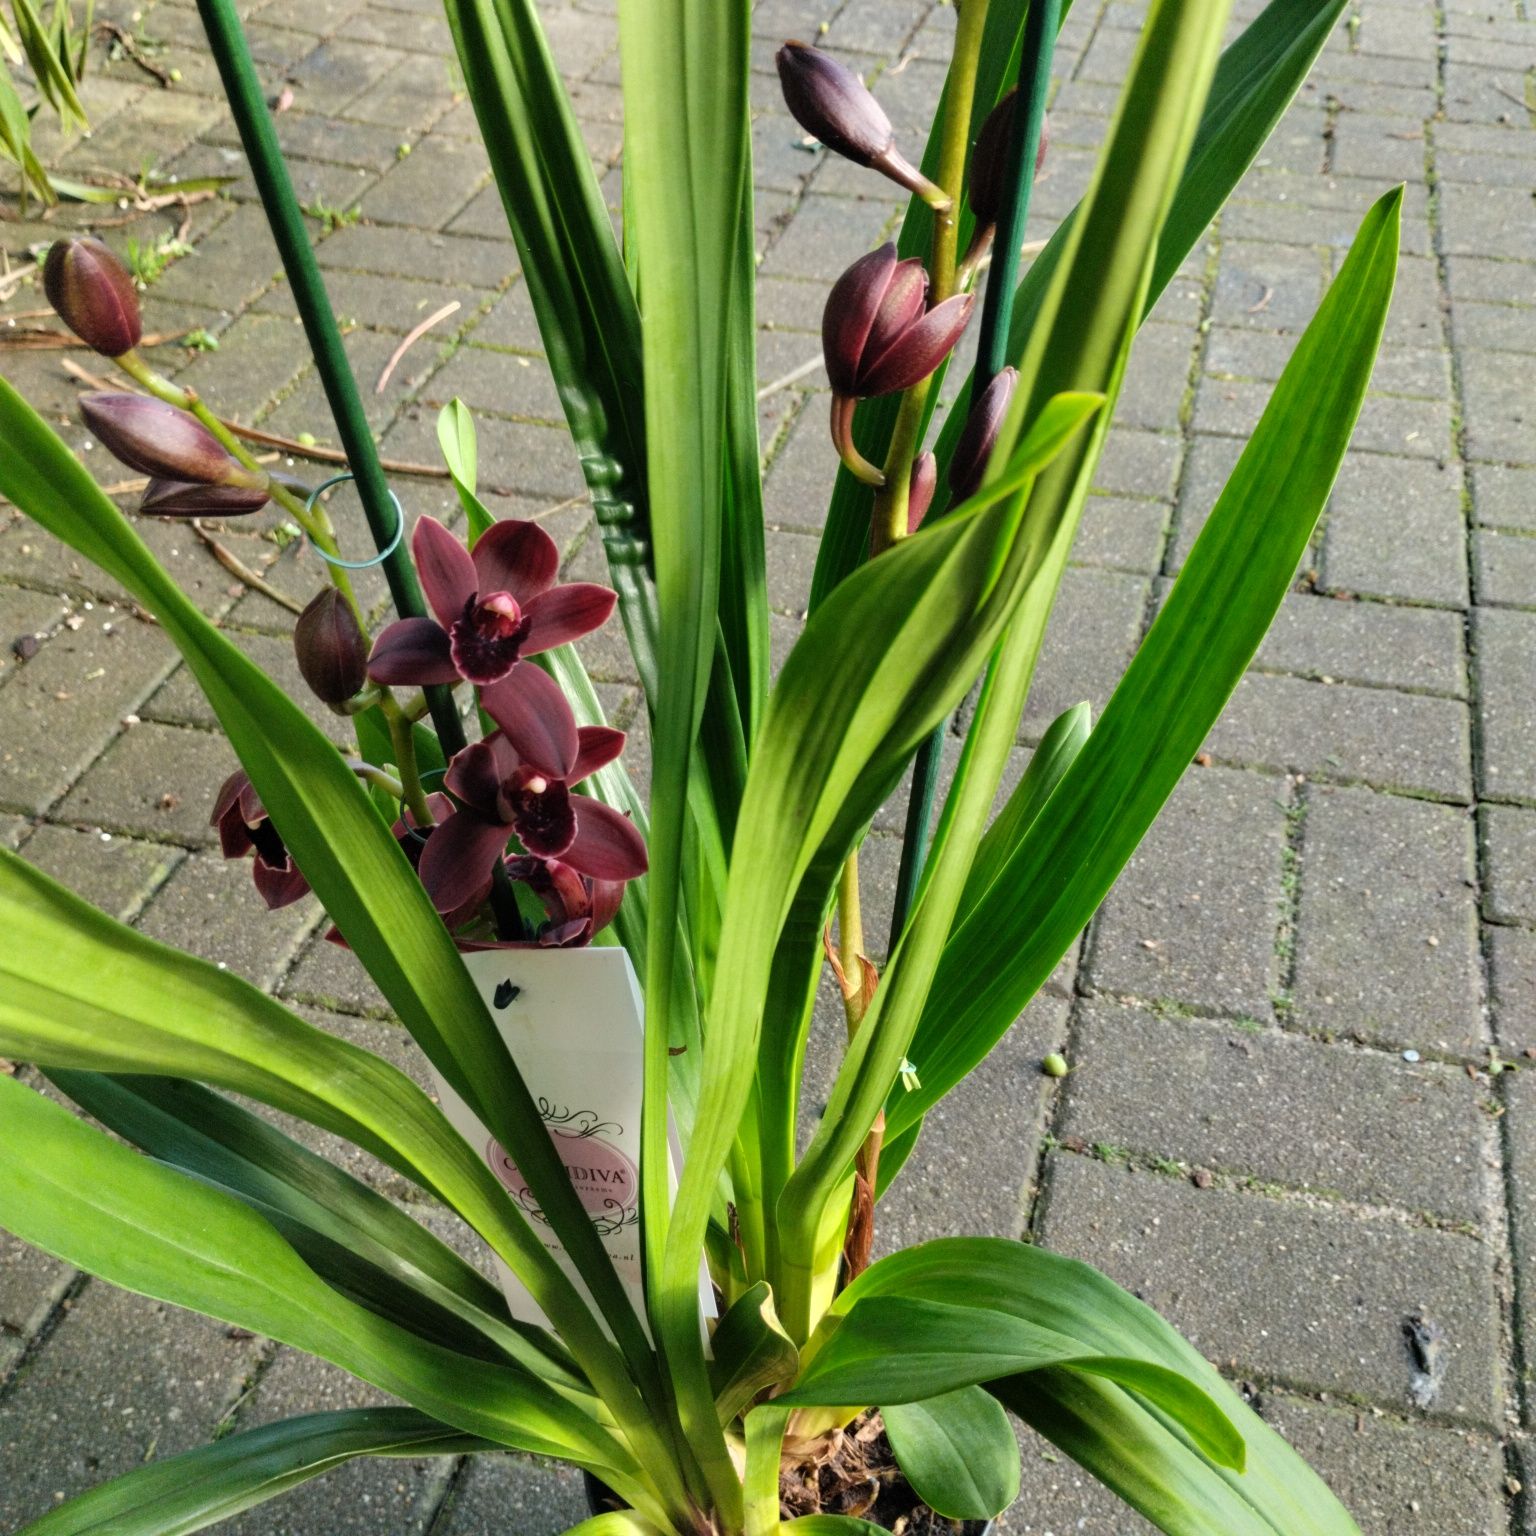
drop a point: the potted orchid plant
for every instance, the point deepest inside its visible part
(687, 1304)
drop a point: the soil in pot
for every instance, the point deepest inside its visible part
(854, 1472)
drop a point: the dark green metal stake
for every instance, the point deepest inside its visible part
(227, 42)
(1041, 24)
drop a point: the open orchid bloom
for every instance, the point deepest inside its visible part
(493, 606)
(244, 827)
(578, 906)
(517, 782)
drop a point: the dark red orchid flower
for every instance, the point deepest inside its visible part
(244, 827)
(578, 906)
(493, 606)
(518, 782)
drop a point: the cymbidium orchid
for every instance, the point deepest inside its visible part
(159, 440)
(879, 337)
(505, 792)
(493, 606)
(244, 827)
(976, 441)
(188, 498)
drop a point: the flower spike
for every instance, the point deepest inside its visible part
(93, 295)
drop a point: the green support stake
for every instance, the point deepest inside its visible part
(226, 40)
(1041, 23)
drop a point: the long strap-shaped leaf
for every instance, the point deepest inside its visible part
(349, 1234)
(1257, 77)
(75, 1193)
(688, 225)
(910, 632)
(199, 1488)
(1175, 687)
(356, 868)
(1276, 1493)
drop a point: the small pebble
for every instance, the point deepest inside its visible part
(1054, 1065)
(1410, 1055)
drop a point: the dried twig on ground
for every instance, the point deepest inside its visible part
(238, 568)
(450, 308)
(125, 40)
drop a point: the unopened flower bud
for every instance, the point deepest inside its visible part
(161, 441)
(93, 294)
(920, 489)
(184, 498)
(331, 648)
(989, 160)
(828, 100)
(980, 435)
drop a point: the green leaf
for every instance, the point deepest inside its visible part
(1174, 689)
(615, 1523)
(181, 1494)
(351, 1236)
(688, 223)
(1277, 1493)
(74, 1193)
(456, 438)
(358, 871)
(831, 1525)
(926, 613)
(1255, 81)
(902, 1349)
(16, 141)
(751, 1352)
(54, 76)
(958, 1452)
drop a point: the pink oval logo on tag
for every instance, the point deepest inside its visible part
(606, 1182)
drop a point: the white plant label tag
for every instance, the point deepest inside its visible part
(572, 1019)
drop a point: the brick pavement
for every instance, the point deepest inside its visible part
(1285, 1124)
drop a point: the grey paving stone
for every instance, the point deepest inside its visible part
(122, 1381)
(1092, 634)
(1509, 853)
(1267, 286)
(500, 1492)
(25, 617)
(210, 908)
(155, 781)
(1520, 1140)
(1240, 1099)
(800, 479)
(1207, 467)
(825, 238)
(1388, 424)
(330, 977)
(1512, 986)
(230, 266)
(32, 1284)
(1386, 941)
(1504, 642)
(955, 1183)
(1279, 207)
(1505, 564)
(1488, 221)
(116, 874)
(1194, 915)
(1398, 1477)
(1378, 644)
(65, 704)
(430, 185)
(1498, 407)
(505, 382)
(371, 1494)
(1120, 534)
(421, 254)
(257, 358)
(791, 561)
(1400, 741)
(1139, 463)
(1286, 1292)
(1153, 390)
(1504, 497)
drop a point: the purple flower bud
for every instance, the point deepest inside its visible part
(184, 498)
(920, 489)
(980, 435)
(93, 294)
(876, 335)
(331, 648)
(989, 160)
(831, 102)
(161, 441)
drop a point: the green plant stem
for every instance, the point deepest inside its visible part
(380, 779)
(1041, 23)
(890, 512)
(313, 521)
(404, 744)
